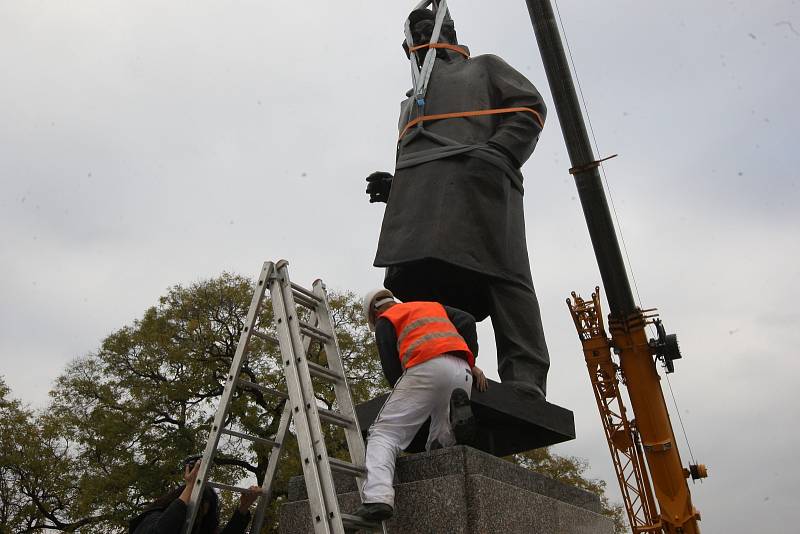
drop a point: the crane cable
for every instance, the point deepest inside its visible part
(614, 209)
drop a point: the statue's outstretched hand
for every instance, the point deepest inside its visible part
(378, 186)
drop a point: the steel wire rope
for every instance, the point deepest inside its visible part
(680, 419)
(614, 209)
(597, 150)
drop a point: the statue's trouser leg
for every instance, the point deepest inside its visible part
(522, 357)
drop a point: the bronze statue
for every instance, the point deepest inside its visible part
(454, 230)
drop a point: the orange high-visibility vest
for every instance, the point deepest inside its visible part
(424, 331)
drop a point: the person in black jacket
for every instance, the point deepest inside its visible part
(167, 514)
(386, 340)
(428, 355)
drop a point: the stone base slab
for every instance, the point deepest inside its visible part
(460, 490)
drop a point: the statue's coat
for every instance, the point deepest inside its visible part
(461, 205)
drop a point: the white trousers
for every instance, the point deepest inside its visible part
(423, 391)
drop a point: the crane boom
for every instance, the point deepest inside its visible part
(627, 323)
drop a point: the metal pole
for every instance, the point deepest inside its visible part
(590, 187)
(627, 325)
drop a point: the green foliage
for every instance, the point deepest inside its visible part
(16, 423)
(571, 470)
(37, 490)
(121, 419)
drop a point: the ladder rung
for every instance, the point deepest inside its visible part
(305, 292)
(316, 333)
(303, 300)
(262, 389)
(347, 468)
(254, 439)
(226, 487)
(334, 417)
(354, 522)
(266, 337)
(323, 372)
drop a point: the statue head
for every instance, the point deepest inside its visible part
(421, 22)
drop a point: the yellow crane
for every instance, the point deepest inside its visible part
(648, 465)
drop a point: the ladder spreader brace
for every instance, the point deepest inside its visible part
(294, 339)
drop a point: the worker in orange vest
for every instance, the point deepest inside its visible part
(428, 356)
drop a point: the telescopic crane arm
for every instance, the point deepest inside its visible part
(648, 438)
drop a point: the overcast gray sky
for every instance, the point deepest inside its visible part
(144, 144)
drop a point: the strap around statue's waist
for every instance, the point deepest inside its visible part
(465, 114)
(451, 148)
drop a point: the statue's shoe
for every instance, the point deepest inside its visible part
(525, 388)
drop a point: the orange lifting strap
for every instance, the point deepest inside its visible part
(448, 46)
(463, 114)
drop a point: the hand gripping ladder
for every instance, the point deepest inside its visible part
(295, 337)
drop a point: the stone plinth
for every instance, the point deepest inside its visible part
(508, 421)
(460, 490)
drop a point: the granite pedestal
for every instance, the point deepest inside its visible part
(460, 490)
(508, 421)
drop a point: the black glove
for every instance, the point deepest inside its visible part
(378, 186)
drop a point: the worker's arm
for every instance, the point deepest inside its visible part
(465, 324)
(386, 340)
(517, 134)
(166, 522)
(237, 524)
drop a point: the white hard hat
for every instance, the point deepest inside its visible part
(373, 300)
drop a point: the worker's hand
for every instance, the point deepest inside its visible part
(479, 379)
(247, 500)
(189, 477)
(378, 186)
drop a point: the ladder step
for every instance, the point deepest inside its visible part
(354, 522)
(303, 300)
(226, 487)
(347, 468)
(266, 337)
(263, 389)
(305, 293)
(254, 439)
(335, 418)
(313, 332)
(323, 372)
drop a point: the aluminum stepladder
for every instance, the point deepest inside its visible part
(294, 338)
